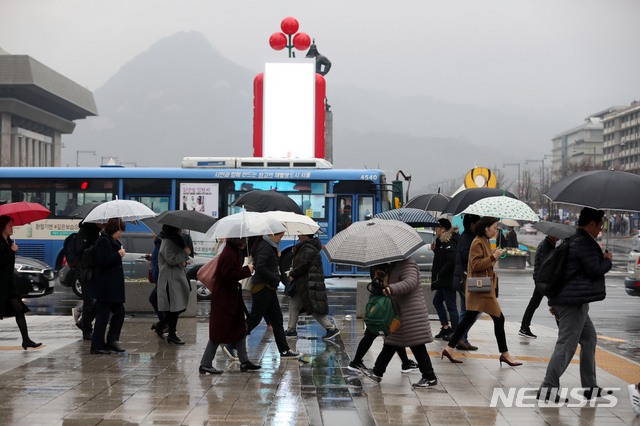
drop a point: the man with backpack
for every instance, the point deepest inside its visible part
(583, 282)
(86, 238)
(543, 250)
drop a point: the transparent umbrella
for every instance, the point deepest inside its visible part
(245, 224)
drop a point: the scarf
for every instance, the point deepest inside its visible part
(270, 241)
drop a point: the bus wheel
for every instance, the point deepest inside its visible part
(77, 288)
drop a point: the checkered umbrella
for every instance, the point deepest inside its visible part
(373, 242)
(502, 207)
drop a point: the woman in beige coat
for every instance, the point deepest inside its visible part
(481, 261)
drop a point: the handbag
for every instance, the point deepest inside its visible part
(207, 272)
(479, 284)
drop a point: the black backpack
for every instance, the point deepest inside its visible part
(69, 250)
(551, 274)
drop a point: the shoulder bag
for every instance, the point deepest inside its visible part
(479, 284)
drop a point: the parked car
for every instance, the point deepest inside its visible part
(33, 278)
(528, 229)
(138, 246)
(632, 282)
(424, 255)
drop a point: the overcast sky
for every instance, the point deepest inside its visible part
(536, 53)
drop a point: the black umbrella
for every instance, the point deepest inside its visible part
(183, 219)
(266, 201)
(82, 211)
(598, 189)
(429, 202)
(464, 199)
(554, 229)
(413, 217)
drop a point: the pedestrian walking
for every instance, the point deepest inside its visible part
(173, 287)
(227, 315)
(11, 304)
(264, 285)
(87, 236)
(460, 276)
(379, 273)
(444, 259)
(584, 282)
(107, 288)
(544, 249)
(308, 292)
(481, 261)
(403, 286)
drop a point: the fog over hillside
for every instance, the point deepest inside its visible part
(182, 98)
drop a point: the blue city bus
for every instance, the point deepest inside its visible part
(333, 198)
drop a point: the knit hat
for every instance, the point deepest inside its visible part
(445, 223)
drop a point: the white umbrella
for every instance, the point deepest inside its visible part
(502, 207)
(127, 210)
(296, 224)
(373, 242)
(245, 224)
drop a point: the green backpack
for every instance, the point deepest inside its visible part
(379, 315)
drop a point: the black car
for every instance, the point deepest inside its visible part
(32, 278)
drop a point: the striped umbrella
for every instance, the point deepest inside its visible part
(373, 242)
(413, 217)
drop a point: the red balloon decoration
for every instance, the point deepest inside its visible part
(301, 41)
(289, 25)
(278, 41)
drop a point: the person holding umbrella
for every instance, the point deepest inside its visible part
(87, 237)
(444, 259)
(10, 302)
(481, 261)
(108, 288)
(173, 286)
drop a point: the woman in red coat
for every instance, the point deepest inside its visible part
(227, 323)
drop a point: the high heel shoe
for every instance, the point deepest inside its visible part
(249, 366)
(175, 340)
(30, 344)
(509, 363)
(452, 359)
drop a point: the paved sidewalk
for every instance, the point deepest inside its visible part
(157, 383)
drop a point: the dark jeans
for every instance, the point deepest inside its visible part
(446, 297)
(88, 306)
(467, 321)
(534, 303)
(463, 313)
(103, 309)
(265, 304)
(365, 345)
(419, 351)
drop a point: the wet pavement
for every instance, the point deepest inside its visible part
(157, 383)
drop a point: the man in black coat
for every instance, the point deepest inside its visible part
(544, 249)
(584, 283)
(460, 273)
(444, 260)
(87, 236)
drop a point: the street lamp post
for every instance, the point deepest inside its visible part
(78, 152)
(515, 164)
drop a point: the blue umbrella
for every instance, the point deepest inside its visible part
(413, 217)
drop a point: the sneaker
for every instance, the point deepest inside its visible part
(331, 333)
(634, 397)
(526, 332)
(369, 374)
(290, 333)
(595, 392)
(425, 383)
(290, 354)
(410, 367)
(357, 366)
(230, 351)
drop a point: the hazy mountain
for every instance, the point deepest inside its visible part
(181, 98)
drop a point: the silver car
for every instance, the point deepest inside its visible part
(424, 255)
